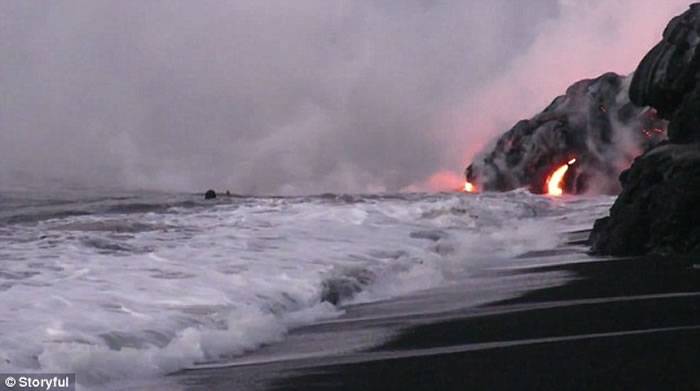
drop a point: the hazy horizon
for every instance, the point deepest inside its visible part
(282, 97)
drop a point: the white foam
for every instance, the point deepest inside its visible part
(209, 284)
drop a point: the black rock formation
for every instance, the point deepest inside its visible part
(210, 195)
(658, 211)
(594, 122)
(667, 77)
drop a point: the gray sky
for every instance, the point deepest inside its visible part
(279, 96)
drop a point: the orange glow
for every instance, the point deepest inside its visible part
(556, 180)
(649, 133)
(469, 187)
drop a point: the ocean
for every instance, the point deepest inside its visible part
(131, 288)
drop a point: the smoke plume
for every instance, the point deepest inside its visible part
(290, 97)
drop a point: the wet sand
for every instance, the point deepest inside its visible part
(618, 325)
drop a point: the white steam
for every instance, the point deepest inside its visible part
(289, 97)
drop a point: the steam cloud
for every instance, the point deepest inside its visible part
(290, 97)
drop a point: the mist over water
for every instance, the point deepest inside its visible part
(281, 97)
(111, 111)
(137, 287)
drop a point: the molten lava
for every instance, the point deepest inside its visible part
(555, 181)
(469, 187)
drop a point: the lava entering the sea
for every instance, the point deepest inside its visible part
(469, 187)
(594, 121)
(555, 182)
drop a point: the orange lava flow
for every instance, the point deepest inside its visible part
(469, 187)
(555, 181)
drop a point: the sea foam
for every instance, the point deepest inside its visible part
(142, 292)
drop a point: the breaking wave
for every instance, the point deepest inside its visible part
(145, 287)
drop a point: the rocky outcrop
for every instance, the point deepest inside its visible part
(210, 195)
(595, 122)
(667, 77)
(658, 210)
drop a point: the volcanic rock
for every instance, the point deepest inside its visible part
(658, 211)
(210, 195)
(595, 122)
(667, 77)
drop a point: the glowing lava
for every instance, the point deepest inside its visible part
(469, 187)
(556, 180)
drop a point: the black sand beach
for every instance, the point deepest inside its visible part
(619, 324)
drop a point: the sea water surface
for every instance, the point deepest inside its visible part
(118, 287)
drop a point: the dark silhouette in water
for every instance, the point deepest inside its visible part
(210, 195)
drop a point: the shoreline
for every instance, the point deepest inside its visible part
(619, 324)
